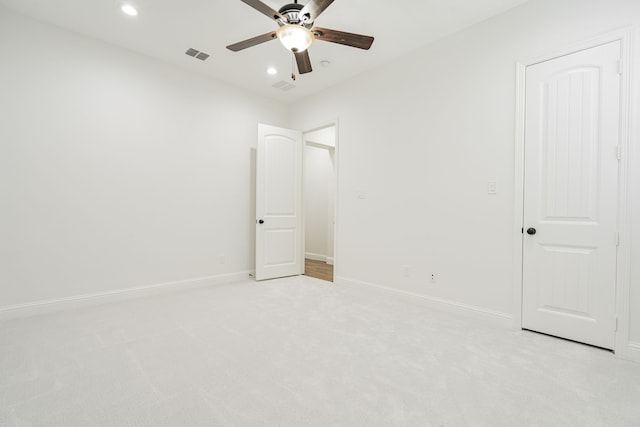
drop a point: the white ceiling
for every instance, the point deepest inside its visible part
(165, 29)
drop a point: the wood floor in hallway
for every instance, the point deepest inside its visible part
(318, 269)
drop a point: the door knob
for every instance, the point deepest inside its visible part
(260, 221)
(531, 231)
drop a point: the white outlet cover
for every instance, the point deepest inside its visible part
(492, 187)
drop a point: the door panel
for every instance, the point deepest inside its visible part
(571, 179)
(278, 202)
(281, 243)
(570, 137)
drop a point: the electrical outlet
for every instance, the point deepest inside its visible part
(405, 270)
(434, 279)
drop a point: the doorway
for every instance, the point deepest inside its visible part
(570, 234)
(319, 198)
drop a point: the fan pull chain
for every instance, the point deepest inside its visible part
(293, 68)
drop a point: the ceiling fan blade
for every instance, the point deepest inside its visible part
(252, 41)
(340, 37)
(314, 8)
(303, 61)
(263, 8)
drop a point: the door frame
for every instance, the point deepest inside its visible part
(335, 124)
(625, 36)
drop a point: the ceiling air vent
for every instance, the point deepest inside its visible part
(197, 54)
(283, 86)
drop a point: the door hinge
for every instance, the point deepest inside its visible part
(619, 152)
(615, 324)
(620, 67)
(617, 238)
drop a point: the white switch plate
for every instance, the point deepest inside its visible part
(492, 187)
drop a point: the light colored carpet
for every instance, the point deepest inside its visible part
(299, 352)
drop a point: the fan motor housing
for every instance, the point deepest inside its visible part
(291, 12)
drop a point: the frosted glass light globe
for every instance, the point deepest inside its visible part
(129, 10)
(295, 37)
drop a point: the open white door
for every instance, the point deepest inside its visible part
(571, 191)
(278, 203)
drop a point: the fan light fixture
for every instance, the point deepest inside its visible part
(129, 10)
(297, 32)
(295, 37)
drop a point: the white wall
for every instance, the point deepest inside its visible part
(117, 170)
(423, 144)
(318, 198)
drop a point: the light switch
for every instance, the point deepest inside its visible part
(492, 187)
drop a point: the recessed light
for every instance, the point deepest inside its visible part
(272, 71)
(129, 10)
(325, 63)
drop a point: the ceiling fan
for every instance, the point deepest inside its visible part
(296, 31)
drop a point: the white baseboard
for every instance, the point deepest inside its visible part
(330, 260)
(315, 257)
(48, 306)
(503, 319)
(633, 352)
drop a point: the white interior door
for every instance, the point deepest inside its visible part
(278, 202)
(570, 199)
